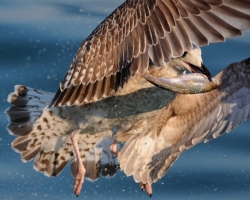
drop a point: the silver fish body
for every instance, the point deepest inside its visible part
(193, 83)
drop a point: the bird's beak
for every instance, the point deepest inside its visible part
(202, 69)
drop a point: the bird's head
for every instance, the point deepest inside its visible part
(192, 62)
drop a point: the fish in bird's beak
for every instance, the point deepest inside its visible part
(193, 83)
(198, 81)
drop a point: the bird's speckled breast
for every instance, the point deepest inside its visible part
(117, 112)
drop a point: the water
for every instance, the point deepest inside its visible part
(37, 42)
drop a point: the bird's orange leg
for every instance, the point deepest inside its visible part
(147, 187)
(81, 169)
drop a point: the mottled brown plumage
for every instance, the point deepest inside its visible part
(156, 126)
(141, 36)
(44, 134)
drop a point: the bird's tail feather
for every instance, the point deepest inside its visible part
(45, 136)
(28, 105)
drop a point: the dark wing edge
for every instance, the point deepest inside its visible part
(154, 144)
(138, 30)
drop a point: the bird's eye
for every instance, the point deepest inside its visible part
(184, 54)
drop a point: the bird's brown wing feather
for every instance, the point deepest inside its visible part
(154, 144)
(138, 29)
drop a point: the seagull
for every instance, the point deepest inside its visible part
(84, 134)
(108, 87)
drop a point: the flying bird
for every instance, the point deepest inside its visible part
(106, 89)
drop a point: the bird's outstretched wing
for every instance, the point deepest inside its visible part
(141, 29)
(155, 143)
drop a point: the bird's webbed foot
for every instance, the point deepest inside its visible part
(79, 179)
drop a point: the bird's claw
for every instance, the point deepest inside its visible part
(79, 181)
(147, 187)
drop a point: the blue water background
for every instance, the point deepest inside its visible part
(38, 40)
